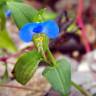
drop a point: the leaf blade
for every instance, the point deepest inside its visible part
(26, 66)
(58, 76)
(22, 13)
(6, 41)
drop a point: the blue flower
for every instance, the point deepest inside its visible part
(50, 28)
(8, 13)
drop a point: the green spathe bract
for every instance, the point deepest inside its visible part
(26, 66)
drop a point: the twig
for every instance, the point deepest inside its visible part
(16, 87)
(5, 58)
(81, 24)
(82, 90)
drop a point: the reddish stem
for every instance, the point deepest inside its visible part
(81, 24)
(5, 59)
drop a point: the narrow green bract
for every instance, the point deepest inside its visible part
(41, 41)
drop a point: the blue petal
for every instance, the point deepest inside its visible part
(38, 28)
(8, 13)
(26, 32)
(51, 29)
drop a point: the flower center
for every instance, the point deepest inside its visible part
(38, 29)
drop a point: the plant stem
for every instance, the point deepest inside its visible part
(51, 57)
(44, 56)
(5, 76)
(82, 90)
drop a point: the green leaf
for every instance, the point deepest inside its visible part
(41, 41)
(26, 66)
(47, 15)
(18, 0)
(2, 19)
(59, 76)
(72, 27)
(6, 42)
(1, 1)
(44, 15)
(9, 0)
(22, 13)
